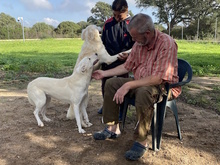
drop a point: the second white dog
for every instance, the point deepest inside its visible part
(93, 44)
(72, 90)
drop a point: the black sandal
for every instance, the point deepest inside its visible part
(136, 151)
(105, 134)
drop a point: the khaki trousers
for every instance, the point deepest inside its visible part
(145, 97)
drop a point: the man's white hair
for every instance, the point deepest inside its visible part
(141, 22)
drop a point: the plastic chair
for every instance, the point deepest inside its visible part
(184, 69)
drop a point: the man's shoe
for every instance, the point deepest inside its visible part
(136, 151)
(105, 134)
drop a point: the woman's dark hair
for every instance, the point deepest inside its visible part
(120, 5)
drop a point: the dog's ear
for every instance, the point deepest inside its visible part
(83, 68)
(83, 35)
(96, 36)
(91, 35)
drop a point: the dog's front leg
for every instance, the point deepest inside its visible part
(113, 58)
(78, 119)
(109, 59)
(104, 57)
(84, 112)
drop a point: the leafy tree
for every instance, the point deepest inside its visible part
(82, 25)
(10, 29)
(180, 10)
(98, 22)
(101, 12)
(68, 29)
(41, 30)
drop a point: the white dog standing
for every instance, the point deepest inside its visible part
(93, 44)
(72, 90)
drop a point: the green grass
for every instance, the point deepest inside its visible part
(203, 57)
(50, 56)
(57, 57)
(24, 61)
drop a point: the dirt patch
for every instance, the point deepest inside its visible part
(59, 143)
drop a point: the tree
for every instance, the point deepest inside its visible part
(101, 12)
(41, 30)
(68, 29)
(82, 25)
(171, 12)
(10, 29)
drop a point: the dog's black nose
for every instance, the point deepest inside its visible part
(89, 58)
(96, 54)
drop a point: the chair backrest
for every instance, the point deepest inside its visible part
(183, 68)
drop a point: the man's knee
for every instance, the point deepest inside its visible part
(146, 96)
(109, 84)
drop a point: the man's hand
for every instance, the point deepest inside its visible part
(123, 56)
(98, 74)
(120, 94)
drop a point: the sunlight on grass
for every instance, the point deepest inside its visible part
(58, 57)
(203, 57)
(50, 56)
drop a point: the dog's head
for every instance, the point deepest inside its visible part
(91, 33)
(86, 64)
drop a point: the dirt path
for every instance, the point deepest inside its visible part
(59, 143)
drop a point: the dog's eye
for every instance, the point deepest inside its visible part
(89, 58)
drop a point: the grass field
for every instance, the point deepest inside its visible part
(57, 57)
(203, 57)
(50, 57)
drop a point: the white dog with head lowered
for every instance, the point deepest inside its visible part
(72, 90)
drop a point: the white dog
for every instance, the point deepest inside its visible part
(72, 90)
(93, 44)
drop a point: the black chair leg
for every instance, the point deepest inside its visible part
(172, 105)
(124, 113)
(161, 111)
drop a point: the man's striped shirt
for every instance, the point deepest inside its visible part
(158, 59)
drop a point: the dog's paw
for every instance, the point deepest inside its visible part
(41, 124)
(89, 124)
(84, 124)
(47, 119)
(82, 131)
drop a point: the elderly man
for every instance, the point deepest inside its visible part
(153, 61)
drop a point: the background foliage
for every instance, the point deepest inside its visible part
(181, 17)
